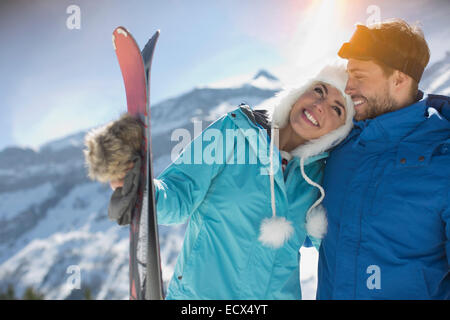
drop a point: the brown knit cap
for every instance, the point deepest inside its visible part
(394, 43)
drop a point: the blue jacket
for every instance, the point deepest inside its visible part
(388, 204)
(221, 257)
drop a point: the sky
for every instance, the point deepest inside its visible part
(57, 80)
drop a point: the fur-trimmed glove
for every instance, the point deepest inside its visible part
(111, 149)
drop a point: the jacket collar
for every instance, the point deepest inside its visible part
(243, 118)
(393, 126)
(259, 120)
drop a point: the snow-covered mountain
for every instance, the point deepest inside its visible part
(53, 220)
(436, 78)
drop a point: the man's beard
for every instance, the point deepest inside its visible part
(376, 106)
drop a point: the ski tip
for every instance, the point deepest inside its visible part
(122, 30)
(118, 31)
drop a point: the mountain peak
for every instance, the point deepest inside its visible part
(265, 74)
(262, 80)
(265, 80)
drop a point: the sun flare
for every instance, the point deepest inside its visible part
(316, 40)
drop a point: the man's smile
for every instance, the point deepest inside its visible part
(358, 101)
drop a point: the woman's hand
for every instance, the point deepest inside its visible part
(116, 184)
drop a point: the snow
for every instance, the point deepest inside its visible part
(59, 251)
(308, 272)
(62, 144)
(13, 203)
(264, 83)
(74, 141)
(219, 111)
(78, 210)
(262, 80)
(439, 81)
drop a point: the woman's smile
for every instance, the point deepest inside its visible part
(308, 117)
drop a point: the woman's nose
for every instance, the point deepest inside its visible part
(319, 106)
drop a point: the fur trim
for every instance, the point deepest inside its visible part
(111, 148)
(284, 102)
(323, 143)
(275, 231)
(334, 75)
(316, 222)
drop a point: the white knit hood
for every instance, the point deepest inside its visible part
(275, 231)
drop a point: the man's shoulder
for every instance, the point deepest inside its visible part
(440, 103)
(439, 97)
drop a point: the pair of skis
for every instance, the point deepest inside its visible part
(145, 261)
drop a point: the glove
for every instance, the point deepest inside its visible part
(109, 152)
(123, 199)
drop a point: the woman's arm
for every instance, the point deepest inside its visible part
(182, 186)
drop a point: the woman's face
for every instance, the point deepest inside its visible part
(318, 111)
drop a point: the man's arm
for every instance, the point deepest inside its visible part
(446, 219)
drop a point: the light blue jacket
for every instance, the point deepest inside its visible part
(225, 203)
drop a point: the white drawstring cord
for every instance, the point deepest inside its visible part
(316, 220)
(272, 182)
(274, 231)
(322, 192)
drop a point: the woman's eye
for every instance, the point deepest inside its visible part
(319, 91)
(338, 110)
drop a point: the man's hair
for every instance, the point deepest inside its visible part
(405, 38)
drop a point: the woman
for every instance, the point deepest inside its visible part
(248, 219)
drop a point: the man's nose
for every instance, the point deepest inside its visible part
(349, 88)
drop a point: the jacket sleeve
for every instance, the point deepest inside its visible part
(182, 186)
(446, 219)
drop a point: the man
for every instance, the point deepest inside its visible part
(388, 184)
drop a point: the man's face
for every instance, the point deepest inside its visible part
(369, 88)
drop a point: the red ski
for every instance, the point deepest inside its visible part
(145, 261)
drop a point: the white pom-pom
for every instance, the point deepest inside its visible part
(275, 231)
(316, 222)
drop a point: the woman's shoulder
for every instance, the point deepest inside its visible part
(258, 118)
